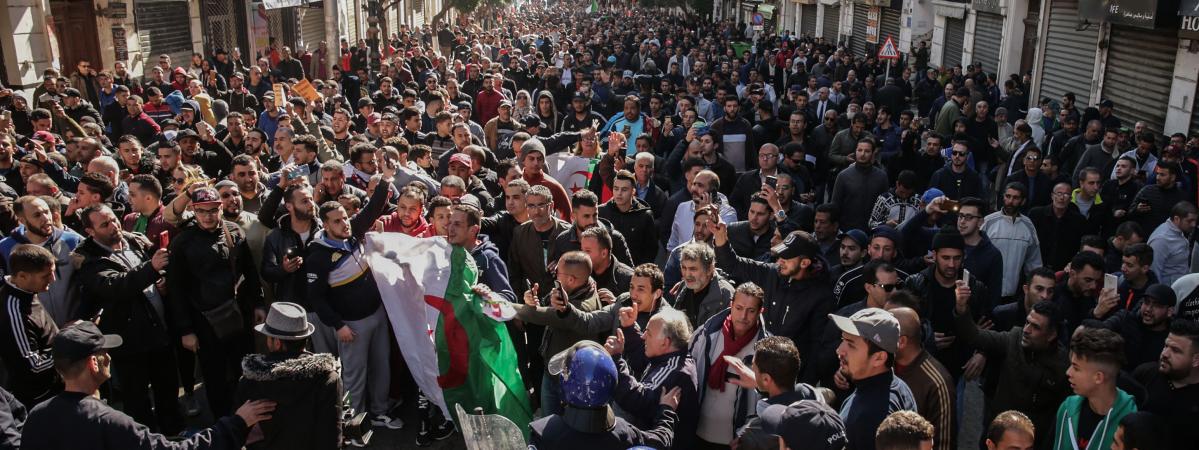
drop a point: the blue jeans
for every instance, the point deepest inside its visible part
(551, 396)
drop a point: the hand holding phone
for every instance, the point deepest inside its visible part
(1109, 281)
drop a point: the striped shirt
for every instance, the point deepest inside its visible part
(933, 388)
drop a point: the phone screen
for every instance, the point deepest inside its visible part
(1109, 281)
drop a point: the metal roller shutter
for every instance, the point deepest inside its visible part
(312, 27)
(1195, 116)
(955, 37)
(1069, 54)
(350, 19)
(832, 22)
(889, 25)
(988, 34)
(164, 27)
(1140, 69)
(809, 20)
(857, 40)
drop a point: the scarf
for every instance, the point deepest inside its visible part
(716, 373)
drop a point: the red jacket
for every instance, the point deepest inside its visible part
(487, 104)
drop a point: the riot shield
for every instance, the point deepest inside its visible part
(489, 431)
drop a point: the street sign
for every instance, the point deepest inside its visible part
(757, 20)
(888, 50)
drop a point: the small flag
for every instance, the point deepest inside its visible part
(594, 7)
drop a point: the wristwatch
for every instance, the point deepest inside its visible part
(780, 215)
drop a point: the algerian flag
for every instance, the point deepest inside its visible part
(573, 172)
(456, 353)
(594, 7)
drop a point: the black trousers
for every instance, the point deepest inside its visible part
(220, 365)
(150, 375)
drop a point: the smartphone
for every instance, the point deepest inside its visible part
(291, 253)
(561, 291)
(772, 181)
(626, 130)
(950, 205)
(96, 318)
(298, 171)
(1109, 281)
(164, 239)
(966, 276)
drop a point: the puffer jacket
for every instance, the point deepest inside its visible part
(308, 390)
(105, 280)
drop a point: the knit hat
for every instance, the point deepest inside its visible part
(530, 146)
(886, 231)
(949, 237)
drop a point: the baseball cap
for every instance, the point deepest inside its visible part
(505, 102)
(185, 134)
(886, 231)
(365, 101)
(77, 342)
(72, 92)
(1161, 294)
(628, 74)
(872, 324)
(205, 195)
(461, 158)
(465, 105)
(857, 235)
(469, 200)
(962, 92)
(794, 246)
(532, 120)
(807, 424)
(45, 137)
(1107, 103)
(578, 95)
(372, 118)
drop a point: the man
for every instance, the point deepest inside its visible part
(1032, 377)
(669, 366)
(26, 347)
(869, 342)
(1144, 329)
(932, 387)
(1119, 191)
(1030, 175)
(1171, 243)
(704, 190)
(1142, 431)
(858, 186)
(898, 204)
(751, 182)
(1154, 203)
(342, 288)
(788, 213)
(37, 227)
(732, 333)
(632, 218)
(576, 288)
(956, 179)
(1059, 227)
(1102, 155)
(608, 272)
(880, 280)
(806, 424)
(245, 174)
(883, 247)
(705, 292)
(584, 212)
(797, 285)
(589, 377)
(286, 368)
(1011, 430)
(210, 313)
(1037, 288)
(951, 111)
(81, 357)
(1015, 236)
(1135, 274)
(1172, 383)
(851, 253)
(752, 237)
(1087, 418)
(532, 163)
(981, 254)
(905, 430)
(120, 275)
(145, 216)
(285, 249)
(773, 373)
(733, 132)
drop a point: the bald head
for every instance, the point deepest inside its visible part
(909, 327)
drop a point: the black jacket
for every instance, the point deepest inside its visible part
(797, 309)
(579, 430)
(12, 420)
(306, 387)
(337, 291)
(640, 398)
(223, 258)
(107, 280)
(288, 286)
(29, 360)
(92, 424)
(637, 227)
(568, 241)
(741, 237)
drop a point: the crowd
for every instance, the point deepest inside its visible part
(775, 245)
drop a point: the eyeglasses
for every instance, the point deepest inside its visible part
(206, 212)
(1061, 194)
(538, 205)
(968, 217)
(768, 155)
(957, 153)
(886, 287)
(1032, 158)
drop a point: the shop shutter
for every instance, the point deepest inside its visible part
(1069, 59)
(955, 37)
(809, 20)
(350, 17)
(832, 22)
(857, 40)
(889, 26)
(164, 27)
(1195, 115)
(1140, 69)
(312, 26)
(988, 34)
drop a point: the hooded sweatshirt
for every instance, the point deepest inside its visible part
(1066, 433)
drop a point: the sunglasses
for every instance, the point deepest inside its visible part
(886, 287)
(956, 153)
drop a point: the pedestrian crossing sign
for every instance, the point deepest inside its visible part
(888, 50)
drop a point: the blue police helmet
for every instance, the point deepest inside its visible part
(587, 374)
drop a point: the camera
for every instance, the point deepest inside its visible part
(354, 426)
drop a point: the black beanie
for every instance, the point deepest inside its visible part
(949, 237)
